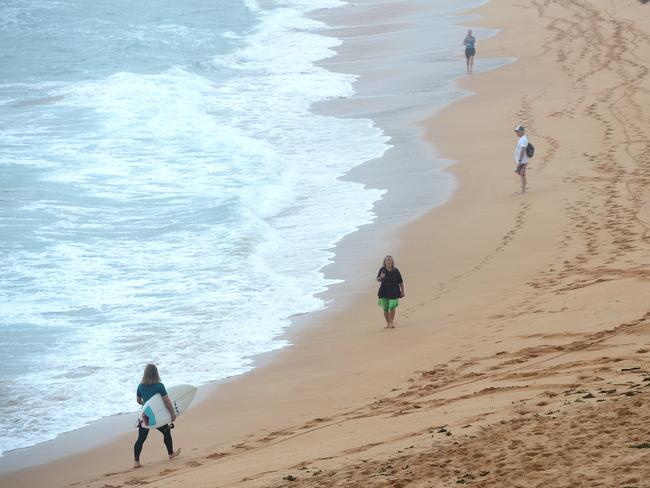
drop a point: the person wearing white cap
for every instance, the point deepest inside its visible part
(521, 158)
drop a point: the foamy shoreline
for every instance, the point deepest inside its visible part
(246, 189)
(397, 207)
(525, 317)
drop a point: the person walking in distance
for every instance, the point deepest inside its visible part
(148, 387)
(470, 50)
(521, 158)
(390, 290)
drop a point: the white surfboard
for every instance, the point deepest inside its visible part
(154, 413)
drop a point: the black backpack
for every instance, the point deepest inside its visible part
(530, 150)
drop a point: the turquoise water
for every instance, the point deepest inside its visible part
(159, 165)
(161, 171)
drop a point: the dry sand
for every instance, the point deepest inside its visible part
(522, 349)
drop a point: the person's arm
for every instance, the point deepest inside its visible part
(168, 403)
(138, 396)
(381, 275)
(401, 285)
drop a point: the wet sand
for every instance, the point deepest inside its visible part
(522, 348)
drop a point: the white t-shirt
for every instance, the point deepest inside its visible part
(523, 142)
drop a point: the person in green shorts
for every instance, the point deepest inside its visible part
(390, 290)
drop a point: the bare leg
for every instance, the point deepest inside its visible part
(392, 318)
(387, 318)
(523, 183)
(467, 65)
(471, 64)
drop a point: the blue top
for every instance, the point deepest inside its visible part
(469, 42)
(147, 391)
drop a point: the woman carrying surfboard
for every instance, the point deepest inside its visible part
(148, 387)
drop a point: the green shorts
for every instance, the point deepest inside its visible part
(388, 304)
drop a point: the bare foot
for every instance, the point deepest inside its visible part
(137, 465)
(174, 454)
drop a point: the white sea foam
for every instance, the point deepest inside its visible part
(176, 215)
(177, 222)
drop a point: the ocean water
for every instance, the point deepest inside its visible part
(166, 195)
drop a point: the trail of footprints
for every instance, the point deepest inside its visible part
(491, 452)
(554, 382)
(610, 220)
(443, 287)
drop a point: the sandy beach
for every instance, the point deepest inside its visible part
(521, 356)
